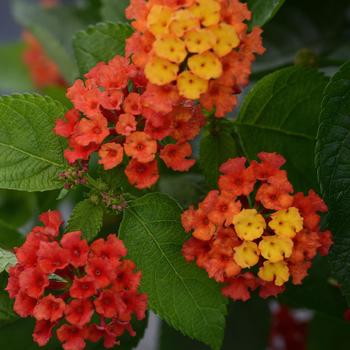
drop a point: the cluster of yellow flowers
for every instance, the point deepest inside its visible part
(188, 45)
(275, 248)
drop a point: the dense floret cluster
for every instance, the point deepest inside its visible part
(87, 292)
(115, 117)
(254, 231)
(200, 48)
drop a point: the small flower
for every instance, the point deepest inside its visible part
(249, 224)
(247, 254)
(79, 312)
(277, 272)
(142, 175)
(76, 247)
(49, 308)
(287, 223)
(175, 156)
(111, 155)
(140, 147)
(82, 288)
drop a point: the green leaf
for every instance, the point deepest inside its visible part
(263, 10)
(333, 139)
(333, 165)
(9, 236)
(181, 293)
(280, 114)
(13, 72)
(114, 10)
(31, 156)
(7, 259)
(87, 217)
(100, 43)
(215, 149)
(54, 29)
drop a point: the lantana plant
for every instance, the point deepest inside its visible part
(222, 174)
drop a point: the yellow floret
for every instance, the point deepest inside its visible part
(183, 21)
(287, 223)
(171, 48)
(246, 255)
(276, 248)
(249, 224)
(206, 65)
(158, 20)
(226, 39)
(191, 86)
(160, 71)
(277, 272)
(208, 11)
(200, 40)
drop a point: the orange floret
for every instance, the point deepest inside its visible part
(176, 156)
(140, 147)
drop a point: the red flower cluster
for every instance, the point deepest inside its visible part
(44, 72)
(254, 223)
(88, 292)
(115, 116)
(201, 49)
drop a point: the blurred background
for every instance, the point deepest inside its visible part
(312, 33)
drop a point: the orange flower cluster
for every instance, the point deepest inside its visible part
(44, 72)
(115, 116)
(254, 231)
(202, 47)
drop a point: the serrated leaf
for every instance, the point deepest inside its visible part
(281, 114)
(14, 74)
(31, 156)
(87, 217)
(100, 43)
(114, 10)
(333, 166)
(180, 293)
(7, 259)
(215, 149)
(263, 10)
(54, 29)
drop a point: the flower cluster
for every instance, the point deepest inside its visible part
(114, 115)
(254, 231)
(87, 292)
(44, 72)
(200, 46)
